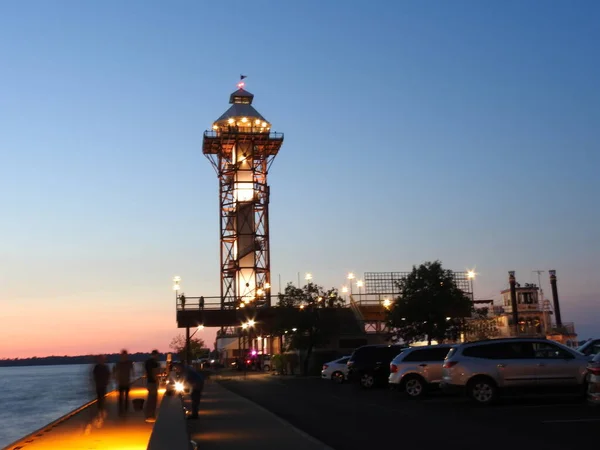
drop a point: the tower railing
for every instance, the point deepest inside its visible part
(212, 134)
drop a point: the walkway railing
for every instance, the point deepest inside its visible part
(199, 303)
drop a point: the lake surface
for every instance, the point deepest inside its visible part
(33, 396)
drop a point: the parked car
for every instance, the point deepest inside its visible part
(336, 370)
(483, 369)
(594, 381)
(418, 369)
(590, 348)
(369, 365)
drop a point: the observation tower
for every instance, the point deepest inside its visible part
(241, 147)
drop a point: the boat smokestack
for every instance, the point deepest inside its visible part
(513, 299)
(555, 298)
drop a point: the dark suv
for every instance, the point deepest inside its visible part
(370, 365)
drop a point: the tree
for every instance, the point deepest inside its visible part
(305, 317)
(178, 347)
(480, 325)
(430, 305)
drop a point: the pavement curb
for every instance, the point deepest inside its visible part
(280, 420)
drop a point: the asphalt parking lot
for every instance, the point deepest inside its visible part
(346, 417)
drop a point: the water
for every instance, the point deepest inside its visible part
(33, 396)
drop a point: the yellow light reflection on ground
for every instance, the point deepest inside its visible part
(87, 430)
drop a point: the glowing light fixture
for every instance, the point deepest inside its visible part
(230, 121)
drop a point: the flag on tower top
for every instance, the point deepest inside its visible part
(243, 76)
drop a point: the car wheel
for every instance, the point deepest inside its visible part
(367, 380)
(414, 386)
(337, 377)
(483, 391)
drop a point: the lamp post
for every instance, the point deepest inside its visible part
(345, 291)
(359, 285)
(350, 278)
(176, 287)
(188, 343)
(308, 277)
(471, 276)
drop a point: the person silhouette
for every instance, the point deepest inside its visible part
(101, 375)
(123, 374)
(152, 367)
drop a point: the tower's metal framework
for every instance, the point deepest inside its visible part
(241, 147)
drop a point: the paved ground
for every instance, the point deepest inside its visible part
(229, 421)
(347, 418)
(86, 431)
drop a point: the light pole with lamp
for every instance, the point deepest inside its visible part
(308, 278)
(345, 292)
(359, 285)
(471, 276)
(350, 278)
(176, 287)
(188, 343)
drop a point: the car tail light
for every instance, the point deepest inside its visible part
(449, 364)
(594, 370)
(393, 368)
(325, 366)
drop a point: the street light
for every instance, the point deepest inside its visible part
(350, 278)
(387, 303)
(308, 277)
(199, 328)
(176, 285)
(359, 285)
(471, 276)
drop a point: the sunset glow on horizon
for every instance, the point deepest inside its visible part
(412, 133)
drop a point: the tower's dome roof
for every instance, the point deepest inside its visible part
(241, 109)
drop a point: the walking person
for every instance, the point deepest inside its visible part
(152, 367)
(123, 375)
(101, 375)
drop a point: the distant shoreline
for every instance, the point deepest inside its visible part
(71, 360)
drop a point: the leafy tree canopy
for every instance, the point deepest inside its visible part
(197, 347)
(430, 306)
(305, 316)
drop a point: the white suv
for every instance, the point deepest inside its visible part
(481, 369)
(417, 369)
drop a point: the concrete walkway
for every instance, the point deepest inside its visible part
(85, 430)
(228, 421)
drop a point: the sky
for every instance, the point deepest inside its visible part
(463, 131)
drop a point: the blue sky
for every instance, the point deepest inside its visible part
(464, 131)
